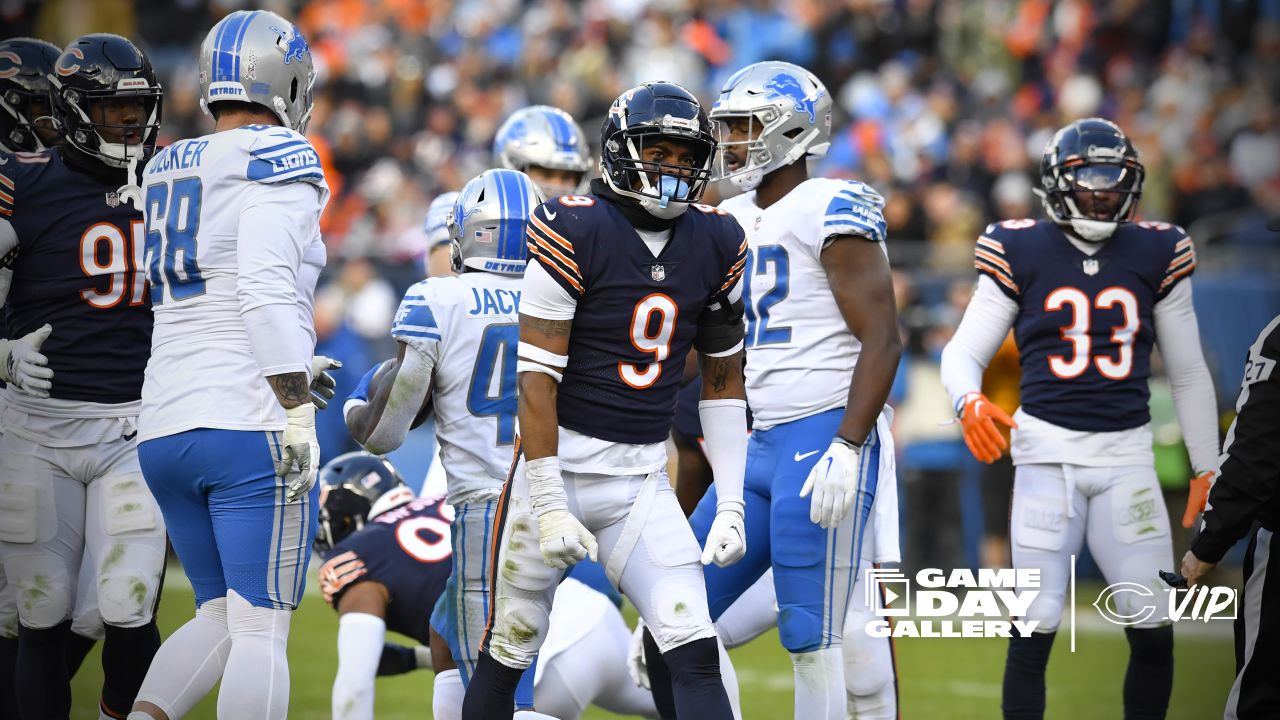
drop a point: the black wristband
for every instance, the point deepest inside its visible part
(846, 441)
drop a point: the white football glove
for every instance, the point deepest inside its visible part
(563, 540)
(323, 385)
(301, 448)
(22, 365)
(637, 665)
(832, 481)
(727, 539)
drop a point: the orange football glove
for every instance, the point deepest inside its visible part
(1197, 499)
(978, 419)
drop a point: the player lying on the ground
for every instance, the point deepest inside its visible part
(388, 558)
(1088, 293)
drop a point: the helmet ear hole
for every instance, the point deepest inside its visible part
(793, 133)
(293, 90)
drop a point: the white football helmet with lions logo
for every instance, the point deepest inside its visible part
(789, 115)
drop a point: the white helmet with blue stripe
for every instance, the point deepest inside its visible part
(487, 222)
(256, 56)
(547, 138)
(784, 114)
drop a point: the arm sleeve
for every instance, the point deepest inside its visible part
(8, 245)
(412, 383)
(724, 426)
(541, 296)
(1189, 378)
(984, 326)
(276, 226)
(360, 638)
(1250, 469)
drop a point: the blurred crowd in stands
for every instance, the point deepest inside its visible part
(943, 105)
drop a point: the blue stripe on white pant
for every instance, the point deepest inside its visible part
(227, 518)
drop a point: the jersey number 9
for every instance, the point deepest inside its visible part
(657, 342)
(173, 219)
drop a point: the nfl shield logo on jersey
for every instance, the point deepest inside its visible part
(113, 199)
(658, 273)
(1091, 267)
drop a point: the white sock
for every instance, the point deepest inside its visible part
(360, 637)
(446, 695)
(819, 678)
(256, 681)
(729, 677)
(189, 663)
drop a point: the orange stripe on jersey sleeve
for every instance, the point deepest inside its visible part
(550, 234)
(997, 274)
(992, 244)
(994, 260)
(551, 264)
(6, 182)
(551, 252)
(551, 245)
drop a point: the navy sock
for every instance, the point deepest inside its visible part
(695, 681)
(78, 646)
(1148, 681)
(396, 660)
(659, 679)
(126, 655)
(41, 682)
(491, 694)
(8, 666)
(1024, 668)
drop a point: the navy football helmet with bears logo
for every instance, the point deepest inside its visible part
(1091, 178)
(353, 488)
(649, 113)
(101, 68)
(25, 65)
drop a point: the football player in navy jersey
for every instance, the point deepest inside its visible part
(79, 322)
(621, 284)
(387, 558)
(1087, 292)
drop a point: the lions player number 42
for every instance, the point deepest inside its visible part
(171, 248)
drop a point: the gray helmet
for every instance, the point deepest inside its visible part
(256, 56)
(487, 222)
(436, 225)
(789, 112)
(547, 137)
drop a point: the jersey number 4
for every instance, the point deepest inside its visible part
(493, 382)
(1077, 332)
(173, 219)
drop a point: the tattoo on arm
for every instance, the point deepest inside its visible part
(291, 389)
(550, 328)
(722, 377)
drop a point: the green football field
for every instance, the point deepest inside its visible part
(939, 678)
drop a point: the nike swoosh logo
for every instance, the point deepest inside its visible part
(550, 215)
(131, 435)
(801, 456)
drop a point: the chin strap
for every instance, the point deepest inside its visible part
(130, 192)
(1093, 230)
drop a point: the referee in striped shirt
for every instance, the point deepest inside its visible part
(1246, 496)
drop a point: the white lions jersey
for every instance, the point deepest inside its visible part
(469, 327)
(232, 222)
(800, 353)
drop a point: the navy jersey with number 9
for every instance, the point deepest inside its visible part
(637, 314)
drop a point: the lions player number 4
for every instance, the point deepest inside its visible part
(657, 342)
(493, 384)
(1077, 332)
(121, 254)
(171, 247)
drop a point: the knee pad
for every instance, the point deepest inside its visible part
(522, 595)
(21, 504)
(8, 610)
(868, 661)
(679, 603)
(244, 620)
(128, 582)
(41, 588)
